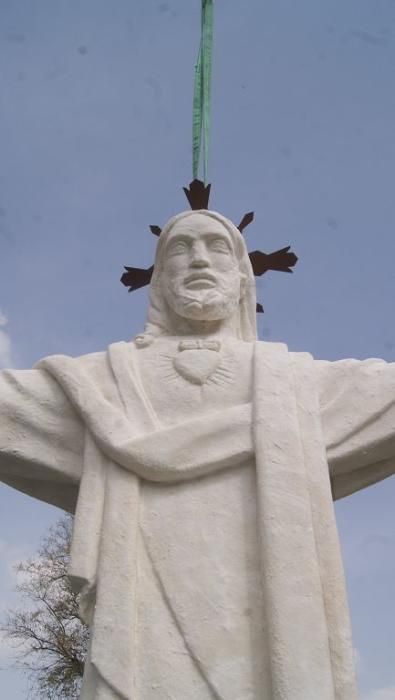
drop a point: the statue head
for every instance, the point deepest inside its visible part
(202, 273)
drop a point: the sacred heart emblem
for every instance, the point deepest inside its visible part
(197, 366)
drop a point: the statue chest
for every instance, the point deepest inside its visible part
(193, 377)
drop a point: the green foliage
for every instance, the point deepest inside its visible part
(47, 632)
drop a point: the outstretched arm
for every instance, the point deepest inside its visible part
(41, 438)
(358, 418)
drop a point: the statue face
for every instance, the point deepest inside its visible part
(200, 277)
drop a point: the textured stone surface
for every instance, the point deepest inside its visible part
(197, 462)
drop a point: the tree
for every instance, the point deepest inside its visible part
(48, 634)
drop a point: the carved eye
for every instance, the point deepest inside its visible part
(219, 245)
(178, 247)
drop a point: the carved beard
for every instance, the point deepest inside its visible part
(214, 304)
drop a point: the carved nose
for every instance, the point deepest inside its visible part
(199, 255)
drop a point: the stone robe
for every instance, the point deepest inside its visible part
(205, 546)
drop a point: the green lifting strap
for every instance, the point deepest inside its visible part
(202, 92)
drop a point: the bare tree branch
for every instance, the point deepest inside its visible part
(47, 633)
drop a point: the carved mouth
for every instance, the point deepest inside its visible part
(200, 280)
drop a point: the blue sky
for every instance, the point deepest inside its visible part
(95, 133)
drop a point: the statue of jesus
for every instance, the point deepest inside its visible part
(201, 465)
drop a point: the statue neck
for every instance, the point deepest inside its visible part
(225, 328)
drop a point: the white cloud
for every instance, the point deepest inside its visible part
(5, 343)
(382, 694)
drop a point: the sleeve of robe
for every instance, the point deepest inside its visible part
(41, 438)
(357, 401)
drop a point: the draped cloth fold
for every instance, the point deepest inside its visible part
(306, 616)
(309, 633)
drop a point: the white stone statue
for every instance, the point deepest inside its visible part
(201, 466)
